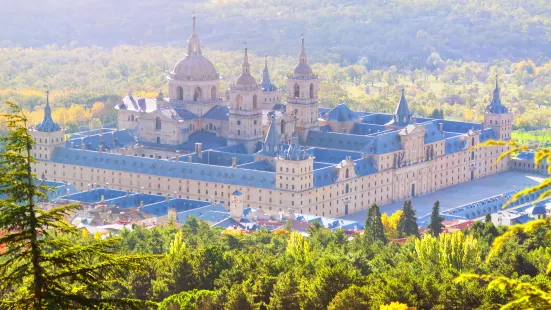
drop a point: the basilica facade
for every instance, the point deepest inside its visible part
(264, 149)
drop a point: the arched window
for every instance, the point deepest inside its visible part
(180, 93)
(311, 90)
(255, 102)
(158, 123)
(347, 187)
(297, 91)
(158, 140)
(197, 94)
(239, 102)
(347, 175)
(213, 93)
(472, 141)
(132, 117)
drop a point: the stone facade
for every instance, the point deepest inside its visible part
(251, 149)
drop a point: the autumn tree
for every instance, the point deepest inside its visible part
(390, 223)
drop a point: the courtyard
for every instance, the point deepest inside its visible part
(461, 194)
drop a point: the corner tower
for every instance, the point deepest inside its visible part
(302, 96)
(498, 117)
(48, 135)
(245, 115)
(294, 168)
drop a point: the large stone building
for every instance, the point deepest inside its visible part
(291, 157)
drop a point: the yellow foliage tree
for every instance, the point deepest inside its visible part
(396, 306)
(390, 223)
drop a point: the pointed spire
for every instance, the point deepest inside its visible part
(302, 51)
(272, 141)
(193, 42)
(246, 79)
(193, 29)
(265, 82)
(496, 106)
(48, 124)
(246, 67)
(402, 115)
(496, 90)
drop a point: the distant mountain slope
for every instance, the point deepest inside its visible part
(397, 32)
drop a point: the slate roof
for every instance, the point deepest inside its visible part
(334, 140)
(331, 156)
(530, 155)
(459, 127)
(180, 204)
(488, 134)
(94, 195)
(217, 158)
(366, 129)
(109, 140)
(164, 168)
(219, 112)
(208, 139)
(261, 165)
(432, 133)
(183, 113)
(265, 83)
(324, 176)
(496, 107)
(341, 113)
(377, 118)
(272, 142)
(455, 144)
(138, 104)
(235, 148)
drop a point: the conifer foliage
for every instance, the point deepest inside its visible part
(408, 222)
(41, 267)
(436, 220)
(374, 229)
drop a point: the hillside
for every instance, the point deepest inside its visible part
(402, 33)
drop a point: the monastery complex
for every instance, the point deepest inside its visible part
(244, 148)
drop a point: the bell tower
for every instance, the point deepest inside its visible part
(245, 114)
(302, 96)
(498, 117)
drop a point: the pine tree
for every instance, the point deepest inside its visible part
(408, 222)
(374, 229)
(41, 266)
(488, 218)
(436, 220)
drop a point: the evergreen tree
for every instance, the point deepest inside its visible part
(374, 229)
(408, 222)
(286, 292)
(488, 218)
(41, 267)
(436, 220)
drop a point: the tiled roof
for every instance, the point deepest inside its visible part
(331, 156)
(377, 118)
(455, 144)
(220, 174)
(459, 127)
(48, 124)
(432, 133)
(261, 165)
(325, 176)
(208, 139)
(487, 134)
(183, 113)
(526, 156)
(333, 140)
(138, 104)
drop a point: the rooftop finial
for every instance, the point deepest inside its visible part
(265, 61)
(193, 31)
(496, 81)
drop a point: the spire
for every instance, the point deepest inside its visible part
(265, 82)
(246, 67)
(302, 54)
(402, 115)
(193, 29)
(496, 106)
(48, 124)
(272, 142)
(193, 42)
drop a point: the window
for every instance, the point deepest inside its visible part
(179, 93)
(311, 90)
(239, 102)
(297, 91)
(158, 140)
(157, 123)
(132, 117)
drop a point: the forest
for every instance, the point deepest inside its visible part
(402, 33)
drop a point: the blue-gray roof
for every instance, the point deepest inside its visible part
(334, 140)
(261, 165)
(366, 129)
(183, 113)
(488, 134)
(365, 166)
(235, 148)
(432, 133)
(325, 176)
(385, 142)
(138, 104)
(95, 195)
(455, 144)
(209, 140)
(184, 170)
(219, 112)
(496, 107)
(377, 118)
(459, 127)
(272, 142)
(265, 82)
(109, 140)
(161, 208)
(341, 113)
(530, 155)
(218, 158)
(331, 156)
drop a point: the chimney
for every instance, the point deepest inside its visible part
(167, 197)
(234, 161)
(102, 199)
(106, 185)
(72, 145)
(100, 148)
(141, 203)
(441, 126)
(189, 159)
(82, 145)
(126, 194)
(199, 149)
(177, 158)
(67, 192)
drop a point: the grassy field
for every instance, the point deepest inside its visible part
(542, 136)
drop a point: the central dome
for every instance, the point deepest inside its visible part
(194, 68)
(303, 69)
